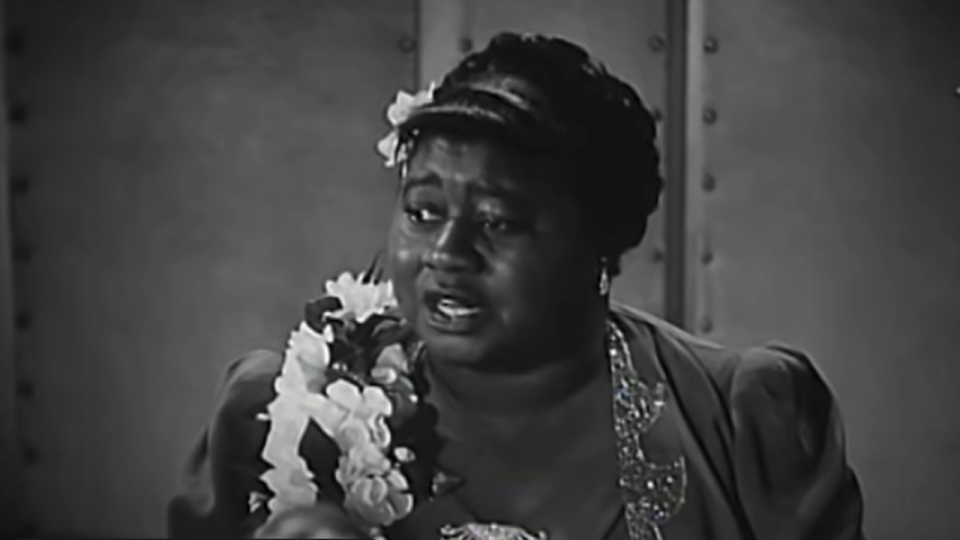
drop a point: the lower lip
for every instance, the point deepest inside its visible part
(442, 322)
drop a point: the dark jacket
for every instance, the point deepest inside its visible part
(759, 431)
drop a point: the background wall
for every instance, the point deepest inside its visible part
(196, 170)
(173, 165)
(833, 224)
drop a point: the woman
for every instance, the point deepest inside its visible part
(545, 411)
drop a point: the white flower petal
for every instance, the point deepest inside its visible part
(399, 110)
(345, 394)
(292, 378)
(311, 347)
(384, 374)
(387, 147)
(376, 402)
(397, 480)
(352, 432)
(380, 434)
(292, 490)
(360, 300)
(327, 414)
(305, 328)
(289, 478)
(393, 357)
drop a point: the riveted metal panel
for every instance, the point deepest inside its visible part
(196, 170)
(832, 132)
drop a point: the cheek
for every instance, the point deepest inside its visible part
(540, 283)
(405, 252)
(404, 259)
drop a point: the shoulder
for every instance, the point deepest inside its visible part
(685, 358)
(780, 428)
(223, 466)
(236, 426)
(247, 382)
(769, 371)
(780, 376)
(772, 394)
(772, 398)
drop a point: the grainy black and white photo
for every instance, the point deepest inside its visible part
(480, 269)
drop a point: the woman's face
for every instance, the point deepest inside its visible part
(488, 256)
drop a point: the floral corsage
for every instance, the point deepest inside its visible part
(347, 368)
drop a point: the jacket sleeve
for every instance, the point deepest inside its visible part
(790, 462)
(220, 489)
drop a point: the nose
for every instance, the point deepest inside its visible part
(453, 248)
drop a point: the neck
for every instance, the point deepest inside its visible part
(540, 386)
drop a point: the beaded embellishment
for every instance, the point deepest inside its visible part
(487, 531)
(652, 492)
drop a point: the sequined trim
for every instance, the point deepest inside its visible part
(652, 492)
(487, 531)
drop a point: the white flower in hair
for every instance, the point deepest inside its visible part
(397, 113)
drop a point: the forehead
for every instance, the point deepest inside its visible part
(482, 162)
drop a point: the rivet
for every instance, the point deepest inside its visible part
(657, 114)
(19, 185)
(706, 257)
(466, 44)
(17, 114)
(31, 456)
(709, 182)
(709, 115)
(407, 44)
(706, 325)
(711, 45)
(657, 43)
(23, 320)
(22, 253)
(25, 390)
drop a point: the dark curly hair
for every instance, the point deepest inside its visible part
(550, 95)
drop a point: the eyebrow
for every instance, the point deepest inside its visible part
(475, 189)
(430, 180)
(498, 192)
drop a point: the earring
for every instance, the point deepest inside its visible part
(604, 278)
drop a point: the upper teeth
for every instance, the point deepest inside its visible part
(452, 308)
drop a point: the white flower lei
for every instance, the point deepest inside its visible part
(353, 417)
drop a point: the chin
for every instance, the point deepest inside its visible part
(466, 350)
(455, 349)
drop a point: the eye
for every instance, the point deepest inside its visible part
(500, 226)
(422, 215)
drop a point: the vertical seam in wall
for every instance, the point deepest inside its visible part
(418, 35)
(675, 166)
(442, 26)
(11, 492)
(695, 316)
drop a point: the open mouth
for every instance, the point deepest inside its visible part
(453, 311)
